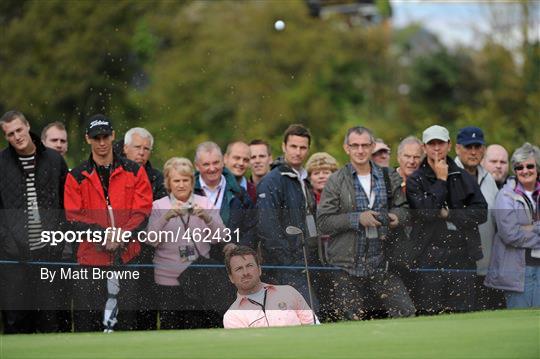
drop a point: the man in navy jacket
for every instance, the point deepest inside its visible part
(285, 198)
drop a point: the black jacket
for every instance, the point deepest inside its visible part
(156, 180)
(50, 174)
(281, 203)
(427, 195)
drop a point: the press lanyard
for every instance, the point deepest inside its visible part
(115, 257)
(186, 224)
(217, 197)
(216, 200)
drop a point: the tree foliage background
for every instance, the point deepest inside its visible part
(218, 70)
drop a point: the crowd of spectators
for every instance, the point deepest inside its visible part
(434, 235)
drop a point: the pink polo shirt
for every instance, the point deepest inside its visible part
(284, 306)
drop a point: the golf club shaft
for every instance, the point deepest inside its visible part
(308, 279)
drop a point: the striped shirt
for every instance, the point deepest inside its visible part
(34, 220)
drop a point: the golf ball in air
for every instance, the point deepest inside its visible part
(279, 25)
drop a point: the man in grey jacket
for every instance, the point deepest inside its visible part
(470, 149)
(354, 210)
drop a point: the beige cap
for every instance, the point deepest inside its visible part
(380, 146)
(435, 133)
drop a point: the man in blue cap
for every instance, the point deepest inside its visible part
(470, 149)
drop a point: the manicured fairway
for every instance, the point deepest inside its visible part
(501, 334)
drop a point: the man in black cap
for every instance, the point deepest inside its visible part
(103, 192)
(470, 149)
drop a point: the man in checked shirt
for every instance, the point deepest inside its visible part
(356, 211)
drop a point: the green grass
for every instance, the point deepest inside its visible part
(501, 334)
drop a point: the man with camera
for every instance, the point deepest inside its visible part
(355, 211)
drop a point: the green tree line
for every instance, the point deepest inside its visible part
(191, 71)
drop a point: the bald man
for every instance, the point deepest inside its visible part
(236, 160)
(496, 162)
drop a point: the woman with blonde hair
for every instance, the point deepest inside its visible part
(182, 214)
(319, 167)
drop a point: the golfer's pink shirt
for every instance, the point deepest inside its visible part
(284, 306)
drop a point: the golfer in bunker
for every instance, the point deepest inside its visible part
(260, 304)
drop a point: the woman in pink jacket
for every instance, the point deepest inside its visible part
(182, 227)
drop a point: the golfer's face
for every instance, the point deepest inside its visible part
(245, 273)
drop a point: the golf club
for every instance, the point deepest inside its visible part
(292, 231)
(113, 288)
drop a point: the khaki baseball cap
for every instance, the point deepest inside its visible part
(435, 132)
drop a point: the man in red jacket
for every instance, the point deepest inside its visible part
(102, 193)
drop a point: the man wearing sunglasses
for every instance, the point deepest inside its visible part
(470, 149)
